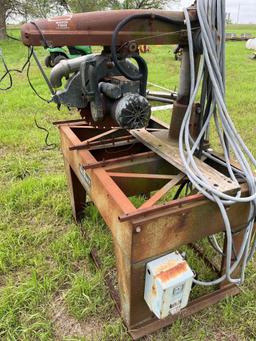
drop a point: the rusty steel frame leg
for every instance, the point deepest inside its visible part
(141, 235)
(77, 193)
(206, 260)
(112, 203)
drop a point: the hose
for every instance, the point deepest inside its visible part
(121, 25)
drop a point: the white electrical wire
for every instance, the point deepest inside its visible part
(159, 86)
(211, 14)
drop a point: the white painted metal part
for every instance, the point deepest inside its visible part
(162, 107)
(251, 44)
(168, 284)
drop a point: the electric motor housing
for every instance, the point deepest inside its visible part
(96, 83)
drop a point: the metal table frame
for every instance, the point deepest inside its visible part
(110, 165)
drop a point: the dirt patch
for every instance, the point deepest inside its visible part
(3, 152)
(2, 281)
(225, 336)
(66, 325)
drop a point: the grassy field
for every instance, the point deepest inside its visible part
(49, 287)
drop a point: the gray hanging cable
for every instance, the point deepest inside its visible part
(211, 16)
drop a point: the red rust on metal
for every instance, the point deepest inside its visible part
(141, 330)
(163, 227)
(175, 203)
(96, 28)
(103, 163)
(200, 252)
(114, 140)
(140, 176)
(149, 327)
(171, 270)
(117, 144)
(94, 138)
(69, 123)
(154, 290)
(159, 194)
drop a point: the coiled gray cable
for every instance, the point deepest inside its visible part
(211, 16)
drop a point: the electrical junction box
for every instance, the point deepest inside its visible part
(168, 284)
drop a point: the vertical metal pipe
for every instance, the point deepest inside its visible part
(185, 80)
(180, 106)
(183, 98)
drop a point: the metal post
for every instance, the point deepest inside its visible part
(43, 73)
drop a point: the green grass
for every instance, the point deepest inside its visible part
(49, 287)
(245, 28)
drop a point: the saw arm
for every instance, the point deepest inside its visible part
(93, 81)
(96, 28)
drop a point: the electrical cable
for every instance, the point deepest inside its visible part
(6, 73)
(10, 71)
(26, 64)
(13, 38)
(212, 72)
(49, 146)
(211, 15)
(45, 43)
(121, 25)
(31, 85)
(180, 189)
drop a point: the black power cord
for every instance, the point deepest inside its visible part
(48, 146)
(13, 38)
(8, 72)
(139, 60)
(30, 83)
(45, 43)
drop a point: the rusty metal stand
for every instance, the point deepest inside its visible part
(194, 306)
(112, 165)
